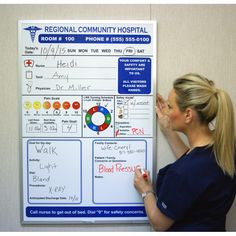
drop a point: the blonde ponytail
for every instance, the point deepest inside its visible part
(224, 134)
(199, 93)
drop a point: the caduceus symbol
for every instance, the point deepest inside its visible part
(32, 30)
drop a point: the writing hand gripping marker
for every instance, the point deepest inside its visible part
(144, 174)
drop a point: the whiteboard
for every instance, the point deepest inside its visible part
(87, 119)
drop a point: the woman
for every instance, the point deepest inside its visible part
(196, 191)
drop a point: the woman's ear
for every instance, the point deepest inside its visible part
(188, 115)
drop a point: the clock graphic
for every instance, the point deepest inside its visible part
(98, 118)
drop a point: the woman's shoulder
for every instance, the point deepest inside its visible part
(199, 162)
(200, 165)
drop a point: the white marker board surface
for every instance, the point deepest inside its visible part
(87, 119)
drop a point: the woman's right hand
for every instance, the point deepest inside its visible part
(162, 111)
(177, 145)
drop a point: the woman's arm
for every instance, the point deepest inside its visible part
(177, 145)
(157, 219)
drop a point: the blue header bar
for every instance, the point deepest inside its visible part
(93, 38)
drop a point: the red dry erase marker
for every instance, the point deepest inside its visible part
(144, 174)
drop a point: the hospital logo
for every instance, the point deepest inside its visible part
(32, 30)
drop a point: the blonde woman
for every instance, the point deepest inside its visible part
(196, 191)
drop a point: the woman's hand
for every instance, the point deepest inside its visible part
(177, 145)
(140, 183)
(162, 111)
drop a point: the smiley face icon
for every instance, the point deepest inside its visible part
(37, 105)
(66, 105)
(46, 105)
(56, 105)
(27, 105)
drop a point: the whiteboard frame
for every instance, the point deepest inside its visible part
(154, 139)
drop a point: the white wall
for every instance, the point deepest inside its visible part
(191, 38)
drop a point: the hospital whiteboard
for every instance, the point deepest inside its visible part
(87, 119)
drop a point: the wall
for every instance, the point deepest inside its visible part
(191, 38)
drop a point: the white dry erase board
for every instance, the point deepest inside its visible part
(87, 119)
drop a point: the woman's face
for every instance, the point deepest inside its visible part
(175, 115)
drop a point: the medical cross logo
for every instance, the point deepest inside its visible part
(28, 63)
(32, 30)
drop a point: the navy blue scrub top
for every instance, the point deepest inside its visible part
(195, 193)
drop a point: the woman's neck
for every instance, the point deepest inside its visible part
(199, 136)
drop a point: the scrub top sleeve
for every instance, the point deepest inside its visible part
(175, 196)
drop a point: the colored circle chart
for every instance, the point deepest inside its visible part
(93, 112)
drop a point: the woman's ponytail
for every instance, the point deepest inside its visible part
(224, 133)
